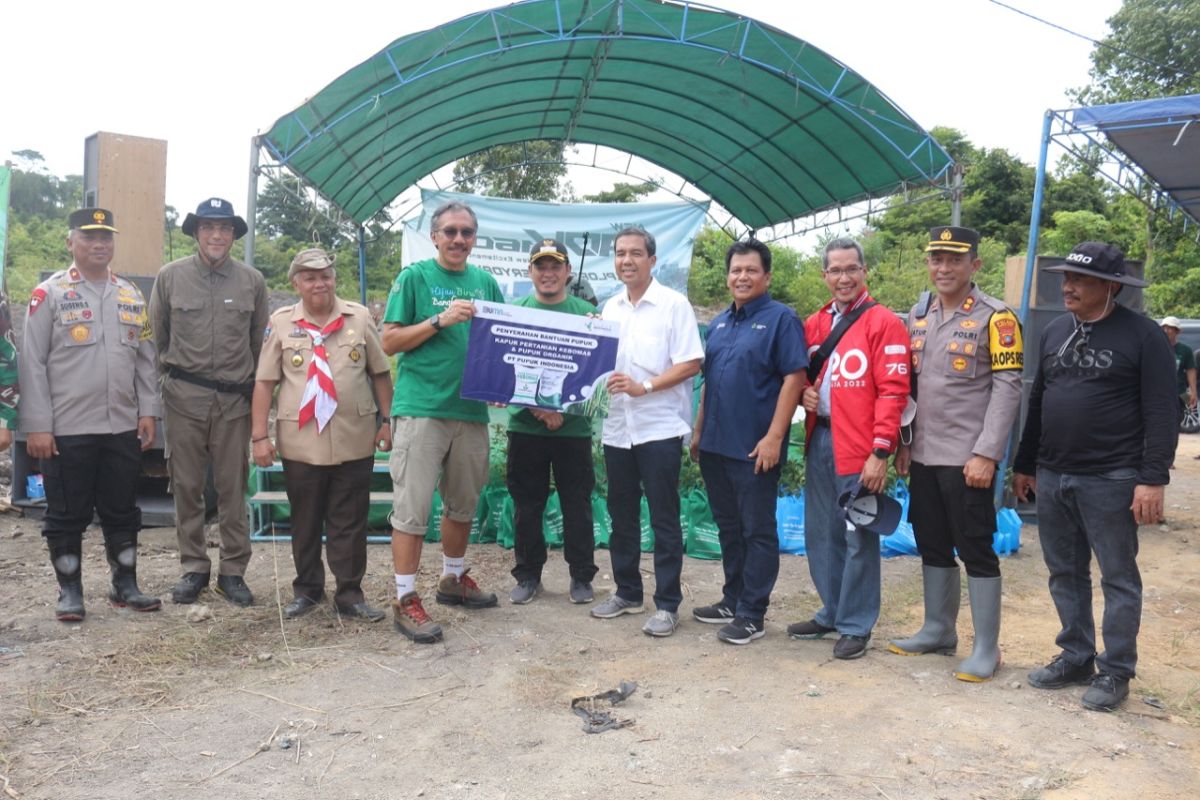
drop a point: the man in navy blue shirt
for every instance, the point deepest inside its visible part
(754, 365)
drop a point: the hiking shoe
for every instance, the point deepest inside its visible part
(413, 622)
(581, 592)
(462, 590)
(616, 606)
(1106, 692)
(189, 587)
(661, 623)
(851, 646)
(234, 589)
(740, 631)
(809, 629)
(524, 592)
(1060, 673)
(716, 614)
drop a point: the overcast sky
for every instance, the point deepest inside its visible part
(206, 77)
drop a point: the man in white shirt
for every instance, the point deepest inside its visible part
(650, 413)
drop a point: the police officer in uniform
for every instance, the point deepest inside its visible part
(967, 357)
(333, 376)
(87, 373)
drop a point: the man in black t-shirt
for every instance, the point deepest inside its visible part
(1097, 446)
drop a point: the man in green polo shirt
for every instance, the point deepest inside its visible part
(540, 440)
(439, 439)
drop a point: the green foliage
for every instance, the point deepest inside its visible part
(1152, 50)
(521, 171)
(622, 193)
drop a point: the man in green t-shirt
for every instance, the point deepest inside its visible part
(439, 439)
(540, 440)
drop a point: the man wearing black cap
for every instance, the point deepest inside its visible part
(541, 440)
(967, 357)
(87, 375)
(209, 313)
(1099, 434)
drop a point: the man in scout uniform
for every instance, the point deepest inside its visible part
(440, 439)
(87, 373)
(967, 358)
(209, 312)
(540, 440)
(325, 356)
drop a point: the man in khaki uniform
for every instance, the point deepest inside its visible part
(967, 358)
(333, 376)
(88, 409)
(209, 312)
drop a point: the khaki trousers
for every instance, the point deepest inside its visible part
(192, 444)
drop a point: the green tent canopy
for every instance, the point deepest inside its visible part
(768, 126)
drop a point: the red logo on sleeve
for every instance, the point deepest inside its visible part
(36, 299)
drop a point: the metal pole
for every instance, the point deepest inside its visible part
(956, 193)
(252, 202)
(362, 264)
(1034, 216)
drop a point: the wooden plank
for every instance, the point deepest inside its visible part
(132, 183)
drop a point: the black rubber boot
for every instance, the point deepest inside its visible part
(124, 591)
(67, 558)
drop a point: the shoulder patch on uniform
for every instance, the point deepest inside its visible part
(1004, 341)
(36, 299)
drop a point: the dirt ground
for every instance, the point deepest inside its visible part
(156, 706)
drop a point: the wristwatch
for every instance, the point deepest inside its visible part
(648, 386)
(879, 452)
(435, 322)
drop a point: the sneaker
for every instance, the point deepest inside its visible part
(851, 646)
(716, 614)
(189, 587)
(463, 591)
(1106, 692)
(581, 592)
(661, 623)
(616, 606)
(1060, 673)
(809, 629)
(234, 589)
(524, 592)
(413, 622)
(740, 631)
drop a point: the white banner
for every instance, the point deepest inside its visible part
(509, 228)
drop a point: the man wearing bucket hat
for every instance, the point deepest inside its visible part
(333, 376)
(88, 409)
(967, 357)
(1099, 433)
(209, 312)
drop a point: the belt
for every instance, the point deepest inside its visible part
(823, 422)
(245, 389)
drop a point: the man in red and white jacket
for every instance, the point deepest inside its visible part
(853, 420)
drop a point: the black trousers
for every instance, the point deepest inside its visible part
(332, 499)
(93, 475)
(530, 461)
(947, 514)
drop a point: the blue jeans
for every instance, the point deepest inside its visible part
(653, 467)
(1079, 515)
(743, 506)
(843, 561)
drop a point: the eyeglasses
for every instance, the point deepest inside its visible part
(452, 232)
(1080, 336)
(220, 227)
(838, 273)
